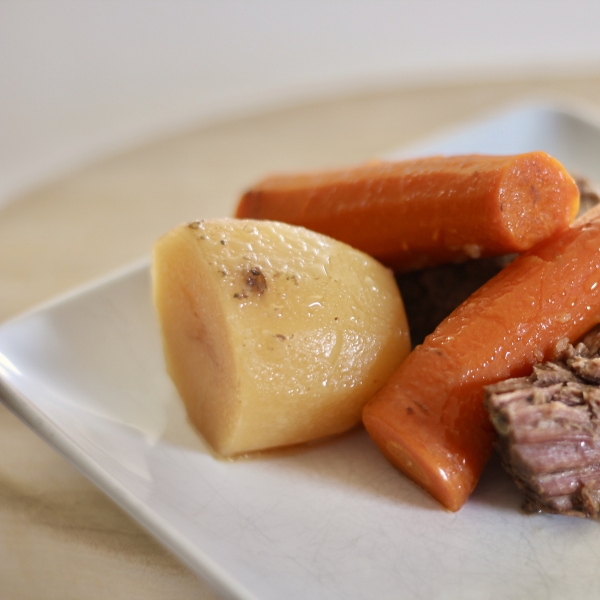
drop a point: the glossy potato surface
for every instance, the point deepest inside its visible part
(273, 334)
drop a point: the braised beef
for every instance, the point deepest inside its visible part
(548, 429)
(430, 295)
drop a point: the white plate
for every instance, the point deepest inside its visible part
(333, 520)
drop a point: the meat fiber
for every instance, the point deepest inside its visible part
(548, 429)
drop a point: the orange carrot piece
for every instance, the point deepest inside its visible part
(428, 211)
(429, 418)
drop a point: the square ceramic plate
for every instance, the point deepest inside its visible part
(332, 520)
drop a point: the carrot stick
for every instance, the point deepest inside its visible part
(429, 418)
(427, 211)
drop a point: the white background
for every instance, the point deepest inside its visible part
(79, 80)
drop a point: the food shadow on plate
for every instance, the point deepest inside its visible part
(178, 430)
(496, 489)
(348, 460)
(353, 460)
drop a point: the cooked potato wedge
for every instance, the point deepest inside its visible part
(273, 334)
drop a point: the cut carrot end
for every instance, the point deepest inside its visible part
(537, 199)
(421, 456)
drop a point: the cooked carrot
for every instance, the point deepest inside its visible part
(427, 211)
(429, 418)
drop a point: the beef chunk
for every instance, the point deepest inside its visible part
(548, 429)
(430, 295)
